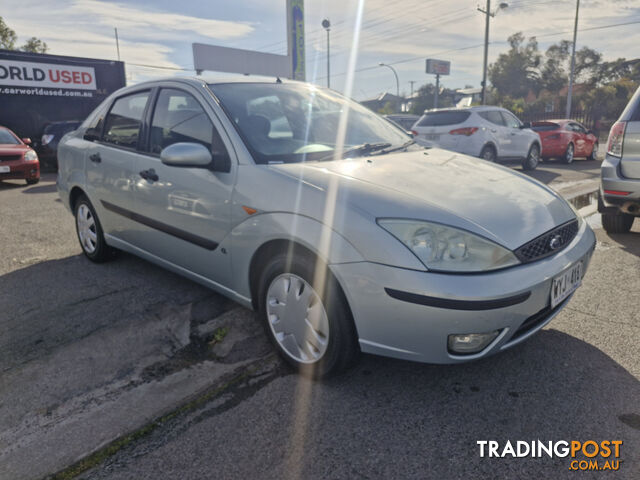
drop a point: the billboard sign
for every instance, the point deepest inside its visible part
(438, 67)
(235, 60)
(295, 36)
(47, 75)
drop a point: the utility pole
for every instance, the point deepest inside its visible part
(488, 14)
(326, 24)
(117, 43)
(435, 98)
(486, 53)
(382, 64)
(412, 82)
(573, 62)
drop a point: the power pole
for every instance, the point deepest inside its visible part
(412, 82)
(117, 43)
(435, 100)
(486, 52)
(573, 62)
(326, 24)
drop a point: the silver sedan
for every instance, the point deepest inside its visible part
(324, 218)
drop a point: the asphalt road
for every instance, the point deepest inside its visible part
(576, 380)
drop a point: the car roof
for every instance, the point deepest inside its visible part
(477, 108)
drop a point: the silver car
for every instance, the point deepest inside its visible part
(324, 218)
(619, 196)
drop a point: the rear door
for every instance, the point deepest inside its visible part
(184, 213)
(111, 163)
(498, 132)
(580, 140)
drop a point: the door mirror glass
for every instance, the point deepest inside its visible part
(186, 154)
(526, 125)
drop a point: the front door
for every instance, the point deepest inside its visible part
(184, 212)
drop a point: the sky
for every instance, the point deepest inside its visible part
(402, 33)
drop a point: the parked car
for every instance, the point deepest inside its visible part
(47, 148)
(361, 242)
(404, 121)
(566, 140)
(491, 133)
(619, 195)
(18, 161)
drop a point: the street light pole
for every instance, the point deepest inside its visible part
(396, 75)
(326, 24)
(573, 62)
(488, 14)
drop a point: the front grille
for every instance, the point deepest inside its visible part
(9, 158)
(543, 246)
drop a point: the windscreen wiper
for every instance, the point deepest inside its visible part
(362, 149)
(404, 146)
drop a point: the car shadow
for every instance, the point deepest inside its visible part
(630, 242)
(544, 176)
(12, 184)
(49, 188)
(552, 387)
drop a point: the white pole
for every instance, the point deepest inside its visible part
(573, 62)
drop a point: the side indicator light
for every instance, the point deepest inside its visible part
(249, 210)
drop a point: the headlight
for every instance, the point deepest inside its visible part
(449, 249)
(30, 156)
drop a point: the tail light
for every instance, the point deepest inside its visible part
(616, 136)
(467, 131)
(46, 138)
(414, 133)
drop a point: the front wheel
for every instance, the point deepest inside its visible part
(306, 316)
(32, 181)
(488, 153)
(532, 159)
(90, 232)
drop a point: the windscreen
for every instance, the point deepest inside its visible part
(282, 122)
(7, 139)
(438, 119)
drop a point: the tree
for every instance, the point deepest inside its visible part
(7, 36)
(8, 39)
(426, 99)
(34, 45)
(516, 72)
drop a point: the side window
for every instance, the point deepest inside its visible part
(494, 117)
(179, 117)
(510, 120)
(577, 128)
(122, 125)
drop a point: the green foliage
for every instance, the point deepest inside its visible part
(8, 39)
(426, 99)
(387, 109)
(517, 72)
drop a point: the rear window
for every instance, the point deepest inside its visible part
(437, 119)
(544, 127)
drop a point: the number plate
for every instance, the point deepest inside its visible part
(432, 137)
(4, 169)
(564, 284)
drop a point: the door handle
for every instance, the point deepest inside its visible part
(149, 175)
(494, 130)
(95, 158)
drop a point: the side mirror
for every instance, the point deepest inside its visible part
(185, 154)
(91, 134)
(26, 141)
(525, 125)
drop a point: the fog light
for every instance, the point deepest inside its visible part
(468, 343)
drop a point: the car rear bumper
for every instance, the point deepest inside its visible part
(20, 170)
(410, 314)
(611, 180)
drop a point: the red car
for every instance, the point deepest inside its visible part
(566, 140)
(18, 161)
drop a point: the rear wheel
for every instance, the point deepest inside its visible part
(594, 152)
(533, 158)
(488, 153)
(568, 154)
(306, 318)
(617, 222)
(90, 232)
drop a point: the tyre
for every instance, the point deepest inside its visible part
(488, 153)
(532, 159)
(568, 154)
(594, 152)
(90, 233)
(32, 181)
(307, 320)
(617, 223)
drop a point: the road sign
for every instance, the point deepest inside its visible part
(438, 67)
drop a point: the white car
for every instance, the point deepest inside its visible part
(492, 133)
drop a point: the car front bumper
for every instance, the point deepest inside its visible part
(20, 170)
(611, 179)
(457, 304)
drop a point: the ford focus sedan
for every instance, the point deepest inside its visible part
(323, 217)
